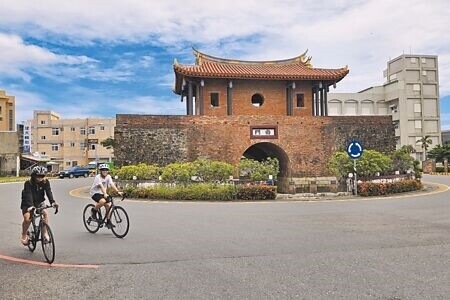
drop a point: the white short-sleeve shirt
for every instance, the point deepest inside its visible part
(106, 182)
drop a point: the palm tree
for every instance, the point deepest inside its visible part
(425, 142)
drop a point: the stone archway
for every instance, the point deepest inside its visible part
(262, 151)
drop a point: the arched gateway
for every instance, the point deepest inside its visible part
(261, 151)
(255, 109)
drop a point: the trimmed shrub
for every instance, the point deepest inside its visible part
(178, 172)
(141, 171)
(378, 189)
(439, 169)
(257, 192)
(204, 170)
(212, 171)
(202, 191)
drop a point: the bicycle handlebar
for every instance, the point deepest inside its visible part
(39, 210)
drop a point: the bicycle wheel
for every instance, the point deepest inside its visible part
(119, 218)
(91, 224)
(32, 236)
(48, 243)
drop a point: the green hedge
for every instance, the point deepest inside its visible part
(201, 191)
(141, 171)
(377, 189)
(440, 169)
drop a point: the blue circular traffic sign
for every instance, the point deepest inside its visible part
(354, 149)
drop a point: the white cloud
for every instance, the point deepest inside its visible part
(19, 59)
(362, 34)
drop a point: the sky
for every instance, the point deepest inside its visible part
(92, 58)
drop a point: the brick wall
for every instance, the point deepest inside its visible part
(273, 92)
(307, 141)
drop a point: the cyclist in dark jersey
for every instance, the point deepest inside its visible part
(33, 195)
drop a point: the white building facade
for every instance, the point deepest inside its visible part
(410, 95)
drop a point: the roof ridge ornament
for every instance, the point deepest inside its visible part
(300, 59)
(198, 56)
(308, 62)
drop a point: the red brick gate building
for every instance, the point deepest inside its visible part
(253, 109)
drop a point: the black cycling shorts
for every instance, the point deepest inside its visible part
(97, 197)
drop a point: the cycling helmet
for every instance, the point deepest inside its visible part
(39, 171)
(103, 167)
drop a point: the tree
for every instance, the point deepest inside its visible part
(425, 142)
(370, 163)
(257, 170)
(408, 149)
(402, 160)
(109, 143)
(439, 153)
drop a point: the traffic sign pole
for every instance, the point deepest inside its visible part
(355, 150)
(356, 181)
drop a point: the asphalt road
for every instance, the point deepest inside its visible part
(378, 249)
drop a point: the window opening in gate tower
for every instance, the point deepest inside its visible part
(257, 100)
(300, 100)
(214, 99)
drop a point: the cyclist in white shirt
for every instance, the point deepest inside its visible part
(99, 193)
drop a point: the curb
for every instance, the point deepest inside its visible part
(78, 192)
(438, 188)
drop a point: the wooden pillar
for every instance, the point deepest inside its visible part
(317, 102)
(190, 106)
(291, 105)
(182, 94)
(201, 104)
(322, 102)
(229, 98)
(325, 99)
(313, 94)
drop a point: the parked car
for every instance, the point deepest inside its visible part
(76, 171)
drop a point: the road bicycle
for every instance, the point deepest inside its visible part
(37, 233)
(119, 218)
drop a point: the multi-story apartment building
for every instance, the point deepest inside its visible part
(70, 142)
(410, 95)
(7, 112)
(9, 149)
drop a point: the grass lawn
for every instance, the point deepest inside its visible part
(13, 179)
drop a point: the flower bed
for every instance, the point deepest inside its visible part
(378, 189)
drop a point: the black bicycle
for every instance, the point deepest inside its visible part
(40, 231)
(119, 219)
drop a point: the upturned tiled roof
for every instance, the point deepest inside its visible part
(297, 68)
